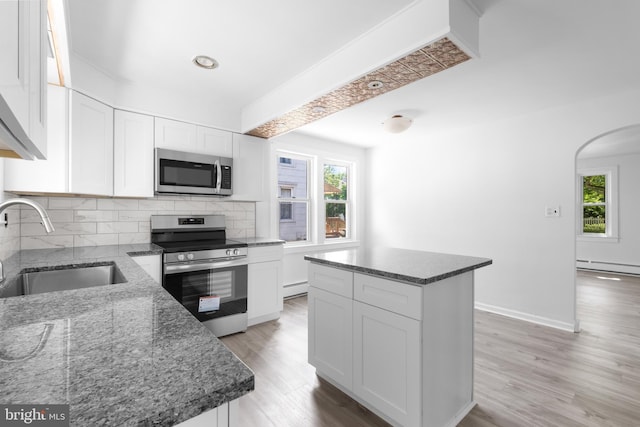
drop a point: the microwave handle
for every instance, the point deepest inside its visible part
(218, 175)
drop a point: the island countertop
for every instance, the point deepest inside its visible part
(124, 354)
(411, 266)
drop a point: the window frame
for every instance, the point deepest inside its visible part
(610, 204)
(292, 200)
(349, 166)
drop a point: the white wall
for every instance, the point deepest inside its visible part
(627, 249)
(483, 190)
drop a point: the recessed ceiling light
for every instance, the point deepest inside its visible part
(375, 84)
(206, 62)
(318, 109)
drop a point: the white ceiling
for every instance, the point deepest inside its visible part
(259, 44)
(535, 54)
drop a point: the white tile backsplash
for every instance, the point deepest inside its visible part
(100, 221)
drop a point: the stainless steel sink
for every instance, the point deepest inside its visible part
(66, 277)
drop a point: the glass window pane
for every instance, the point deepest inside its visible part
(293, 221)
(594, 219)
(335, 220)
(594, 188)
(292, 173)
(335, 182)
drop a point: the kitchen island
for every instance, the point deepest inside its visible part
(393, 329)
(120, 355)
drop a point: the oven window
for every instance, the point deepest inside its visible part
(175, 172)
(229, 284)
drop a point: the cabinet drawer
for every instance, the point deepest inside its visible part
(390, 295)
(265, 253)
(331, 279)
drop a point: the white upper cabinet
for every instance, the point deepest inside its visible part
(250, 168)
(132, 155)
(23, 77)
(90, 146)
(175, 135)
(182, 136)
(214, 141)
(51, 175)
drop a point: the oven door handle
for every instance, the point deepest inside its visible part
(205, 265)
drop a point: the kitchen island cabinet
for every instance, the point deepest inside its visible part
(393, 329)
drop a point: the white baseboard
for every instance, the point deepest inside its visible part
(544, 321)
(295, 289)
(611, 267)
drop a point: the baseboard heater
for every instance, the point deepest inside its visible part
(612, 267)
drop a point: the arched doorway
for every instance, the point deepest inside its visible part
(607, 202)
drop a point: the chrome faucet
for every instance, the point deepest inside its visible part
(46, 222)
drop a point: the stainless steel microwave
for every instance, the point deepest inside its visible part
(180, 172)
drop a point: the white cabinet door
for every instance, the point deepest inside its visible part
(330, 336)
(38, 48)
(387, 362)
(264, 299)
(250, 168)
(132, 154)
(23, 77)
(151, 264)
(175, 135)
(90, 146)
(51, 175)
(14, 45)
(214, 142)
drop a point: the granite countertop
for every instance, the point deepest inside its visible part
(415, 267)
(260, 241)
(123, 355)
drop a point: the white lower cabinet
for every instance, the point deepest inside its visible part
(331, 335)
(264, 283)
(404, 351)
(151, 264)
(387, 359)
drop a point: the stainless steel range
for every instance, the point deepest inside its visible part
(203, 270)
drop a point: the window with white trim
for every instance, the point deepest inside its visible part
(293, 197)
(336, 200)
(598, 207)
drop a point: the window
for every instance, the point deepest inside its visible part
(314, 199)
(598, 208)
(594, 206)
(336, 201)
(285, 207)
(293, 198)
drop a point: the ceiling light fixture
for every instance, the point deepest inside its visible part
(318, 109)
(375, 84)
(396, 124)
(206, 62)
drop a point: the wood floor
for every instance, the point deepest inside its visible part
(525, 375)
